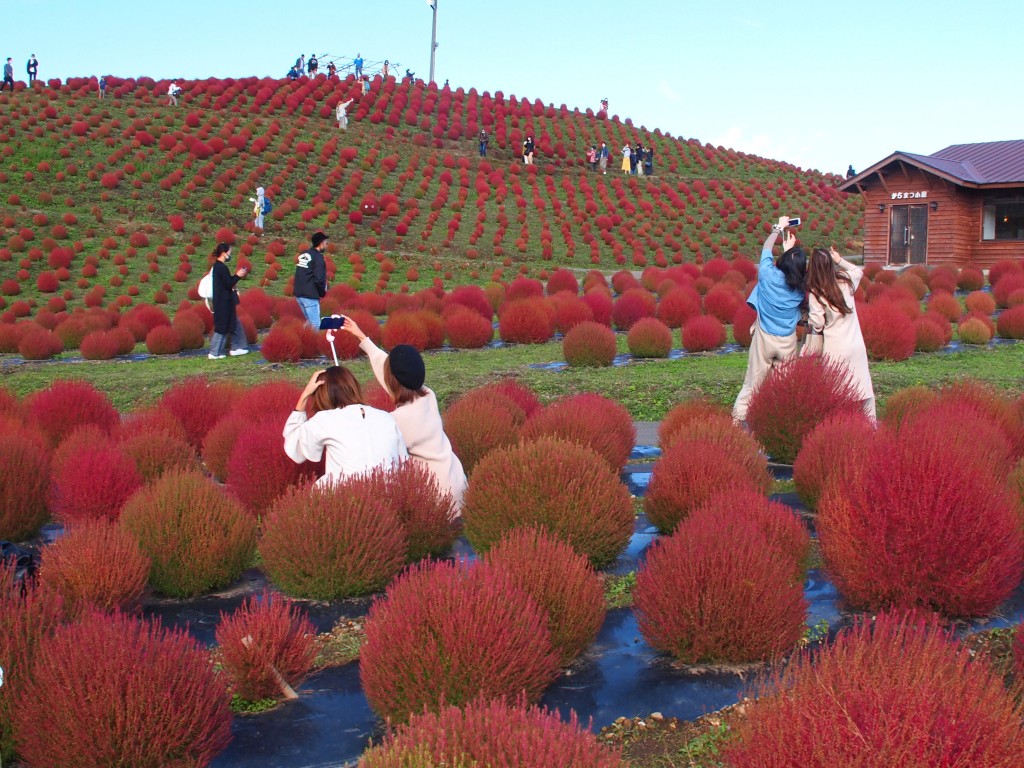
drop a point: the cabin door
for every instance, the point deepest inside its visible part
(908, 234)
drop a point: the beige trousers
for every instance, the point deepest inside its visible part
(765, 351)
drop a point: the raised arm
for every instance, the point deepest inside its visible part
(376, 355)
(855, 273)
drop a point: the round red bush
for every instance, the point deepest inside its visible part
(479, 422)
(331, 541)
(100, 345)
(405, 328)
(155, 452)
(703, 333)
(888, 333)
(563, 279)
(689, 473)
(1011, 323)
(466, 328)
(197, 537)
(95, 565)
(895, 534)
(520, 394)
(722, 301)
(282, 345)
(198, 404)
(448, 632)
(559, 486)
(562, 582)
(93, 483)
(600, 304)
(907, 401)
(679, 419)
(794, 398)
(928, 335)
(490, 733)
(24, 479)
(679, 306)
(590, 420)
(632, 305)
(114, 690)
(946, 305)
(589, 345)
(970, 279)
(974, 331)
(471, 297)
(220, 443)
(980, 302)
(264, 634)
(1003, 268)
(830, 454)
(412, 492)
(719, 591)
(920, 700)
(40, 344)
(649, 337)
(259, 470)
(570, 311)
(163, 340)
(526, 321)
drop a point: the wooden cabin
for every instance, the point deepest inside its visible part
(962, 205)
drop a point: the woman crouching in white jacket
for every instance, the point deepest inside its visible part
(356, 437)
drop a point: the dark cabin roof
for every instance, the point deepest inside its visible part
(972, 165)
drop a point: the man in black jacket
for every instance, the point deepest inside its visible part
(311, 280)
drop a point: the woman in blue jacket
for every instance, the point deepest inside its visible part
(778, 298)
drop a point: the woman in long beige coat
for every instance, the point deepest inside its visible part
(832, 312)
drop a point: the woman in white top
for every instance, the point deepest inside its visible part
(402, 373)
(832, 312)
(356, 437)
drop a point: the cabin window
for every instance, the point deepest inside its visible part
(1002, 220)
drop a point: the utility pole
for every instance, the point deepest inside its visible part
(433, 37)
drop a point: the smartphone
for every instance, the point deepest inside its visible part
(794, 223)
(331, 323)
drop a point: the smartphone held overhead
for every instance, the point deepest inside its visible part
(331, 323)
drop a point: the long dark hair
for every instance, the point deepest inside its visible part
(793, 265)
(823, 281)
(220, 250)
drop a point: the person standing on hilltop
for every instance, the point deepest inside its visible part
(313, 65)
(258, 209)
(102, 86)
(32, 68)
(602, 158)
(8, 76)
(528, 150)
(592, 158)
(483, 143)
(649, 161)
(172, 94)
(357, 63)
(626, 152)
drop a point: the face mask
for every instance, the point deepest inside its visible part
(227, 257)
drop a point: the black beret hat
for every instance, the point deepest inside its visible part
(407, 366)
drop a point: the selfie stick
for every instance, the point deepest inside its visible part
(330, 339)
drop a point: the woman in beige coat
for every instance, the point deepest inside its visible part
(832, 313)
(402, 373)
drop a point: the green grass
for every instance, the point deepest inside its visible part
(618, 590)
(647, 389)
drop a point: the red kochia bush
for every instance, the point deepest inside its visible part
(1011, 323)
(405, 328)
(29, 616)
(831, 452)
(264, 634)
(649, 337)
(282, 345)
(491, 733)
(156, 452)
(93, 484)
(703, 333)
(95, 565)
(449, 632)
(794, 398)
(980, 302)
(901, 692)
(590, 420)
(722, 301)
(66, 405)
(114, 690)
(925, 527)
(519, 394)
(259, 470)
(888, 332)
(632, 305)
(331, 541)
(689, 473)
(24, 479)
(565, 488)
(480, 421)
(719, 591)
(40, 344)
(526, 321)
(561, 581)
(466, 328)
(679, 306)
(163, 340)
(220, 441)
(197, 404)
(196, 536)
(928, 334)
(425, 512)
(678, 420)
(589, 344)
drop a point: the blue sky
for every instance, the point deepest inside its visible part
(817, 84)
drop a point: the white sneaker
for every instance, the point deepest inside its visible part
(216, 357)
(237, 352)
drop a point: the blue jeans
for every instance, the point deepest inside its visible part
(219, 340)
(311, 309)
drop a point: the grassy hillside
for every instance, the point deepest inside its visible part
(122, 199)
